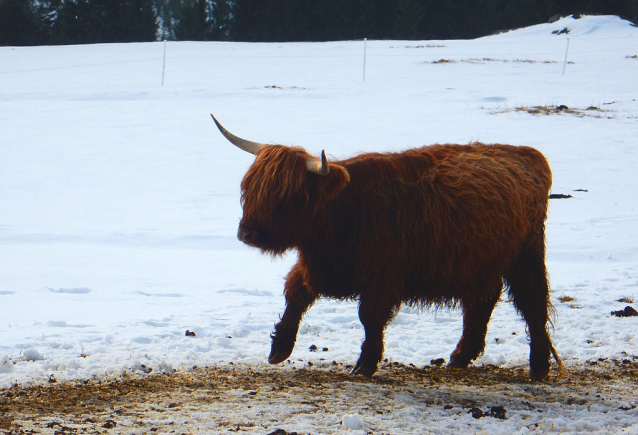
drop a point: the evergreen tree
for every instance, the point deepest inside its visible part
(191, 20)
(21, 23)
(318, 19)
(137, 21)
(632, 11)
(74, 24)
(165, 13)
(201, 20)
(253, 21)
(31, 22)
(357, 19)
(408, 19)
(93, 21)
(220, 19)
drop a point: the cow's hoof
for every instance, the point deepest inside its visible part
(458, 362)
(279, 357)
(279, 352)
(283, 342)
(538, 367)
(538, 375)
(364, 370)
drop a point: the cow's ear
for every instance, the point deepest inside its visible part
(334, 182)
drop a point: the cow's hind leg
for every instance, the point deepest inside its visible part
(476, 316)
(529, 290)
(298, 300)
(374, 315)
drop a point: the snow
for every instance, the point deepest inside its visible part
(353, 422)
(119, 199)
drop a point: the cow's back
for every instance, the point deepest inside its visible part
(437, 217)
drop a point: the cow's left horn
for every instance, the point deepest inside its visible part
(246, 145)
(319, 166)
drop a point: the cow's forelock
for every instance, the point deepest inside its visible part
(277, 177)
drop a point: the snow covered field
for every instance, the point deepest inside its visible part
(119, 199)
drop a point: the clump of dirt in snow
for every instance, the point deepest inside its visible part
(627, 312)
(591, 111)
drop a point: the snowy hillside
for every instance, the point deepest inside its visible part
(119, 199)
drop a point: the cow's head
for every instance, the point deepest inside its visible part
(282, 193)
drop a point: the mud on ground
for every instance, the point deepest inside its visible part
(287, 400)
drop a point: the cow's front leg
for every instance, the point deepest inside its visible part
(298, 300)
(374, 316)
(476, 316)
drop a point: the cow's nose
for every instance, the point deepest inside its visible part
(246, 235)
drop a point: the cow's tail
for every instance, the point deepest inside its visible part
(559, 361)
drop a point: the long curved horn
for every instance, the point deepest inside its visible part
(317, 166)
(246, 145)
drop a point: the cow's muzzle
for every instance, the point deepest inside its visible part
(250, 236)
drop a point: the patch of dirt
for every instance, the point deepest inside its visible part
(422, 46)
(548, 110)
(627, 312)
(564, 298)
(564, 31)
(266, 399)
(492, 60)
(591, 111)
(283, 89)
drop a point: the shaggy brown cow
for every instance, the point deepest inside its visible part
(442, 225)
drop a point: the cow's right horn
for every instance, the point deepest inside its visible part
(319, 166)
(246, 145)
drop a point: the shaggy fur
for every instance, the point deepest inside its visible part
(442, 225)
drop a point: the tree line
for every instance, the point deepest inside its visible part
(40, 22)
